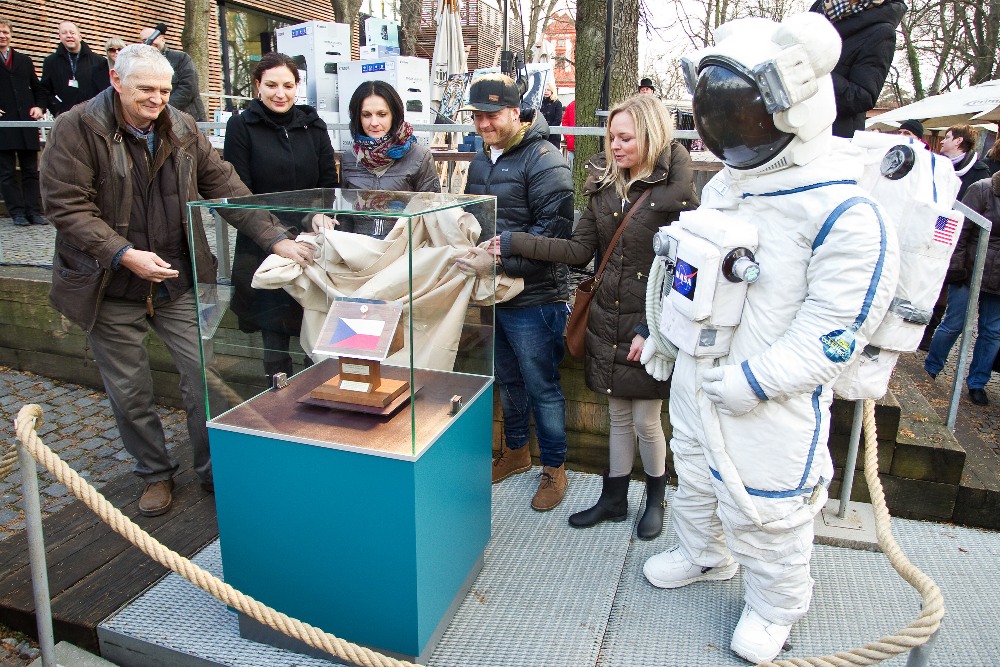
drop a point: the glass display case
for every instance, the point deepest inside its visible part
(350, 406)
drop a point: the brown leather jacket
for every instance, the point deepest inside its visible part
(619, 304)
(86, 183)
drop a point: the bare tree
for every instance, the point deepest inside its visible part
(194, 37)
(345, 11)
(591, 69)
(409, 18)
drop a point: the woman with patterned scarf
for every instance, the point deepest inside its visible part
(867, 29)
(386, 155)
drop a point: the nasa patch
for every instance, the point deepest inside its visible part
(685, 279)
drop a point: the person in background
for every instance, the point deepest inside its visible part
(912, 129)
(534, 190)
(552, 110)
(642, 156)
(983, 197)
(186, 94)
(111, 48)
(274, 145)
(867, 30)
(122, 262)
(646, 86)
(385, 155)
(20, 95)
(73, 73)
(569, 120)
(993, 157)
(959, 145)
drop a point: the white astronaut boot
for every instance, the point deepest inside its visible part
(671, 569)
(757, 640)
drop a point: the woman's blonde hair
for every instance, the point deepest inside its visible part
(654, 130)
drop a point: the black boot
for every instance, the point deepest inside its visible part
(611, 506)
(651, 522)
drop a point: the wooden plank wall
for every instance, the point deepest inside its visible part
(36, 24)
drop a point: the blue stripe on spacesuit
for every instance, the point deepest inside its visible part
(933, 180)
(877, 273)
(800, 490)
(752, 380)
(804, 188)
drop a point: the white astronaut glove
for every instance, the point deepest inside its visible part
(727, 387)
(658, 363)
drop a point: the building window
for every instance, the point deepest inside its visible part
(246, 35)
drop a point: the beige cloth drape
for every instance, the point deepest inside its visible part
(354, 265)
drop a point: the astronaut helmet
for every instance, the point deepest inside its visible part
(763, 96)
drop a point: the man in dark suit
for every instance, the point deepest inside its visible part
(20, 93)
(73, 73)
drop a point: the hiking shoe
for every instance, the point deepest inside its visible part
(37, 219)
(551, 488)
(20, 221)
(156, 498)
(507, 462)
(756, 639)
(671, 569)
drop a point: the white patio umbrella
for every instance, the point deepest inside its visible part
(449, 49)
(974, 105)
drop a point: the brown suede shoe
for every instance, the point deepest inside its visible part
(509, 462)
(156, 498)
(551, 488)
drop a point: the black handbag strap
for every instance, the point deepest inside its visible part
(618, 234)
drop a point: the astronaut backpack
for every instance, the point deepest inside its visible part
(915, 190)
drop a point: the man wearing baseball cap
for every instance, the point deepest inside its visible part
(534, 190)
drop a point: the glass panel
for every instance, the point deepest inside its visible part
(383, 338)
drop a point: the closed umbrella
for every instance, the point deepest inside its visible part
(449, 49)
(973, 105)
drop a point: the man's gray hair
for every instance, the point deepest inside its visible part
(144, 58)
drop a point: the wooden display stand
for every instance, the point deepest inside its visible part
(360, 382)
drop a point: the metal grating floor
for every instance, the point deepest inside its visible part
(553, 596)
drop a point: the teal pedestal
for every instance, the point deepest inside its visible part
(332, 518)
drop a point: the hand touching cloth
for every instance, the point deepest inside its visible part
(728, 388)
(476, 262)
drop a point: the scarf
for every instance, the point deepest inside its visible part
(837, 10)
(375, 154)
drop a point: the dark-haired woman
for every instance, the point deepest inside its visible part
(275, 145)
(386, 155)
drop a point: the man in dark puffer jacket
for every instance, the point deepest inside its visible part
(534, 190)
(868, 31)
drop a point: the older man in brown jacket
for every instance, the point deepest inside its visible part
(116, 177)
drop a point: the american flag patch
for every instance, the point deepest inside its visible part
(944, 230)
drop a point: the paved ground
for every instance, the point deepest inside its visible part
(78, 424)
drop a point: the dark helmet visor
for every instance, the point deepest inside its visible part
(730, 117)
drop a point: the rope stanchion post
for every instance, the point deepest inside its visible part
(847, 484)
(920, 656)
(36, 552)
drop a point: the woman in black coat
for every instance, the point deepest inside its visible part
(552, 111)
(20, 99)
(275, 146)
(867, 29)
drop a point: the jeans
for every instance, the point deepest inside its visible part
(987, 340)
(529, 349)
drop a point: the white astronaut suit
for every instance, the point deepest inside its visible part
(750, 428)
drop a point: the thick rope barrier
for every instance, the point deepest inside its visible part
(917, 633)
(30, 416)
(920, 630)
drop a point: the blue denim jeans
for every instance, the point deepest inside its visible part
(987, 339)
(529, 349)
